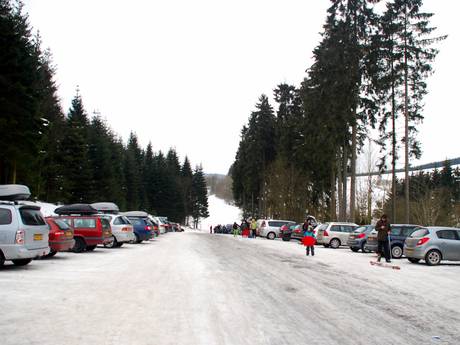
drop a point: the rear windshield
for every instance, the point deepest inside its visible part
(61, 224)
(361, 229)
(5, 216)
(419, 233)
(31, 216)
(105, 223)
(323, 226)
(136, 221)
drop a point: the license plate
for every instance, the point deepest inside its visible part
(352, 237)
(68, 233)
(38, 237)
(107, 234)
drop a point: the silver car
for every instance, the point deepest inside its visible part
(334, 234)
(122, 230)
(23, 231)
(271, 228)
(433, 244)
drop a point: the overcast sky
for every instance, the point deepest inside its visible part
(187, 74)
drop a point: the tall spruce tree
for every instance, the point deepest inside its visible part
(199, 196)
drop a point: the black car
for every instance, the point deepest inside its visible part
(399, 233)
(358, 238)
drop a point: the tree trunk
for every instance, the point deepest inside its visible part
(406, 129)
(340, 189)
(333, 214)
(353, 171)
(345, 181)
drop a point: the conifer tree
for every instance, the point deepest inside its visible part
(199, 196)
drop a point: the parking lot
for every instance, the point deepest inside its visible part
(198, 288)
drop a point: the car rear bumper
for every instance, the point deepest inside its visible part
(355, 243)
(62, 246)
(124, 236)
(93, 241)
(144, 235)
(416, 253)
(13, 252)
(371, 247)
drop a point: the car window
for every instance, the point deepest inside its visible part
(31, 216)
(5, 216)
(136, 221)
(419, 233)
(407, 231)
(84, 222)
(447, 234)
(396, 231)
(361, 229)
(348, 228)
(323, 226)
(67, 221)
(336, 228)
(105, 224)
(118, 221)
(61, 224)
(274, 224)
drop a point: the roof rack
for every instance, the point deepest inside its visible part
(14, 192)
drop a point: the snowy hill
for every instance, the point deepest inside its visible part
(220, 213)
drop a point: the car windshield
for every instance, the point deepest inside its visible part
(419, 233)
(61, 224)
(31, 216)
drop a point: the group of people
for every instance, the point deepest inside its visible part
(249, 229)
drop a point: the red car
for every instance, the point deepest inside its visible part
(60, 236)
(89, 231)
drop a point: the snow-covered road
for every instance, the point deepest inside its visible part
(197, 288)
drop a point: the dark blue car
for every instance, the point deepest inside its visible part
(358, 238)
(143, 228)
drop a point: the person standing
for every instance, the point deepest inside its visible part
(210, 229)
(308, 239)
(383, 232)
(254, 228)
(235, 229)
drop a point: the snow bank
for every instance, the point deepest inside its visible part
(220, 213)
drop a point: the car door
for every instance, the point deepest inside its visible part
(395, 234)
(449, 244)
(335, 232)
(346, 231)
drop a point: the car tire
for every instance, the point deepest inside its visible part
(51, 254)
(413, 260)
(112, 244)
(334, 243)
(326, 245)
(433, 257)
(2, 259)
(363, 249)
(21, 262)
(90, 248)
(79, 245)
(137, 240)
(286, 238)
(271, 236)
(119, 244)
(396, 252)
(354, 249)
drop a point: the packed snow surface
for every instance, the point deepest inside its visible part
(220, 212)
(201, 288)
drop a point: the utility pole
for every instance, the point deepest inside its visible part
(406, 129)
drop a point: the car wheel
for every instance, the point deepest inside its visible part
(2, 259)
(21, 262)
(335, 243)
(138, 240)
(354, 249)
(79, 246)
(413, 260)
(112, 244)
(286, 238)
(51, 254)
(326, 245)
(363, 249)
(433, 257)
(90, 248)
(396, 252)
(271, 236)
(119, 244)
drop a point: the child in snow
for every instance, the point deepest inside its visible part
(309, 239)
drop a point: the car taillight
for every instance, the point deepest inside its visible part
(20, 235)
(422, 241)
(155, 228)
(361, 236)
(59, 233)
(325, 233)
(125, 229)
(148, 228)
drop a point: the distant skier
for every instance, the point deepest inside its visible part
(210, 229)
(384, 229)
(309, 238)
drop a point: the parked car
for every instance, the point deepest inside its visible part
(23, 230)
(156, 226)
(143, 227)
(399, 233)
(90, 229)
(334, 234)
(270, 228)
(60, 236)
(160, 223)
(165, 222)
(122, 230)
(433, 244)
(358, 238)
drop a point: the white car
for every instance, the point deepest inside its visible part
(161, 225)
(23, 231)
(122, 230)
(334, 234)
(270, 228)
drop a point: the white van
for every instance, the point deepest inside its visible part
(23, 231)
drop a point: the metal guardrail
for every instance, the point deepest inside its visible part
(434, 165)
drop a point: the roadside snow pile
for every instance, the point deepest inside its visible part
(220, 213)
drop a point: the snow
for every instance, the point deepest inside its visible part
(220, 212)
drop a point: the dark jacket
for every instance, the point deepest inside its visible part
(382, 233)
